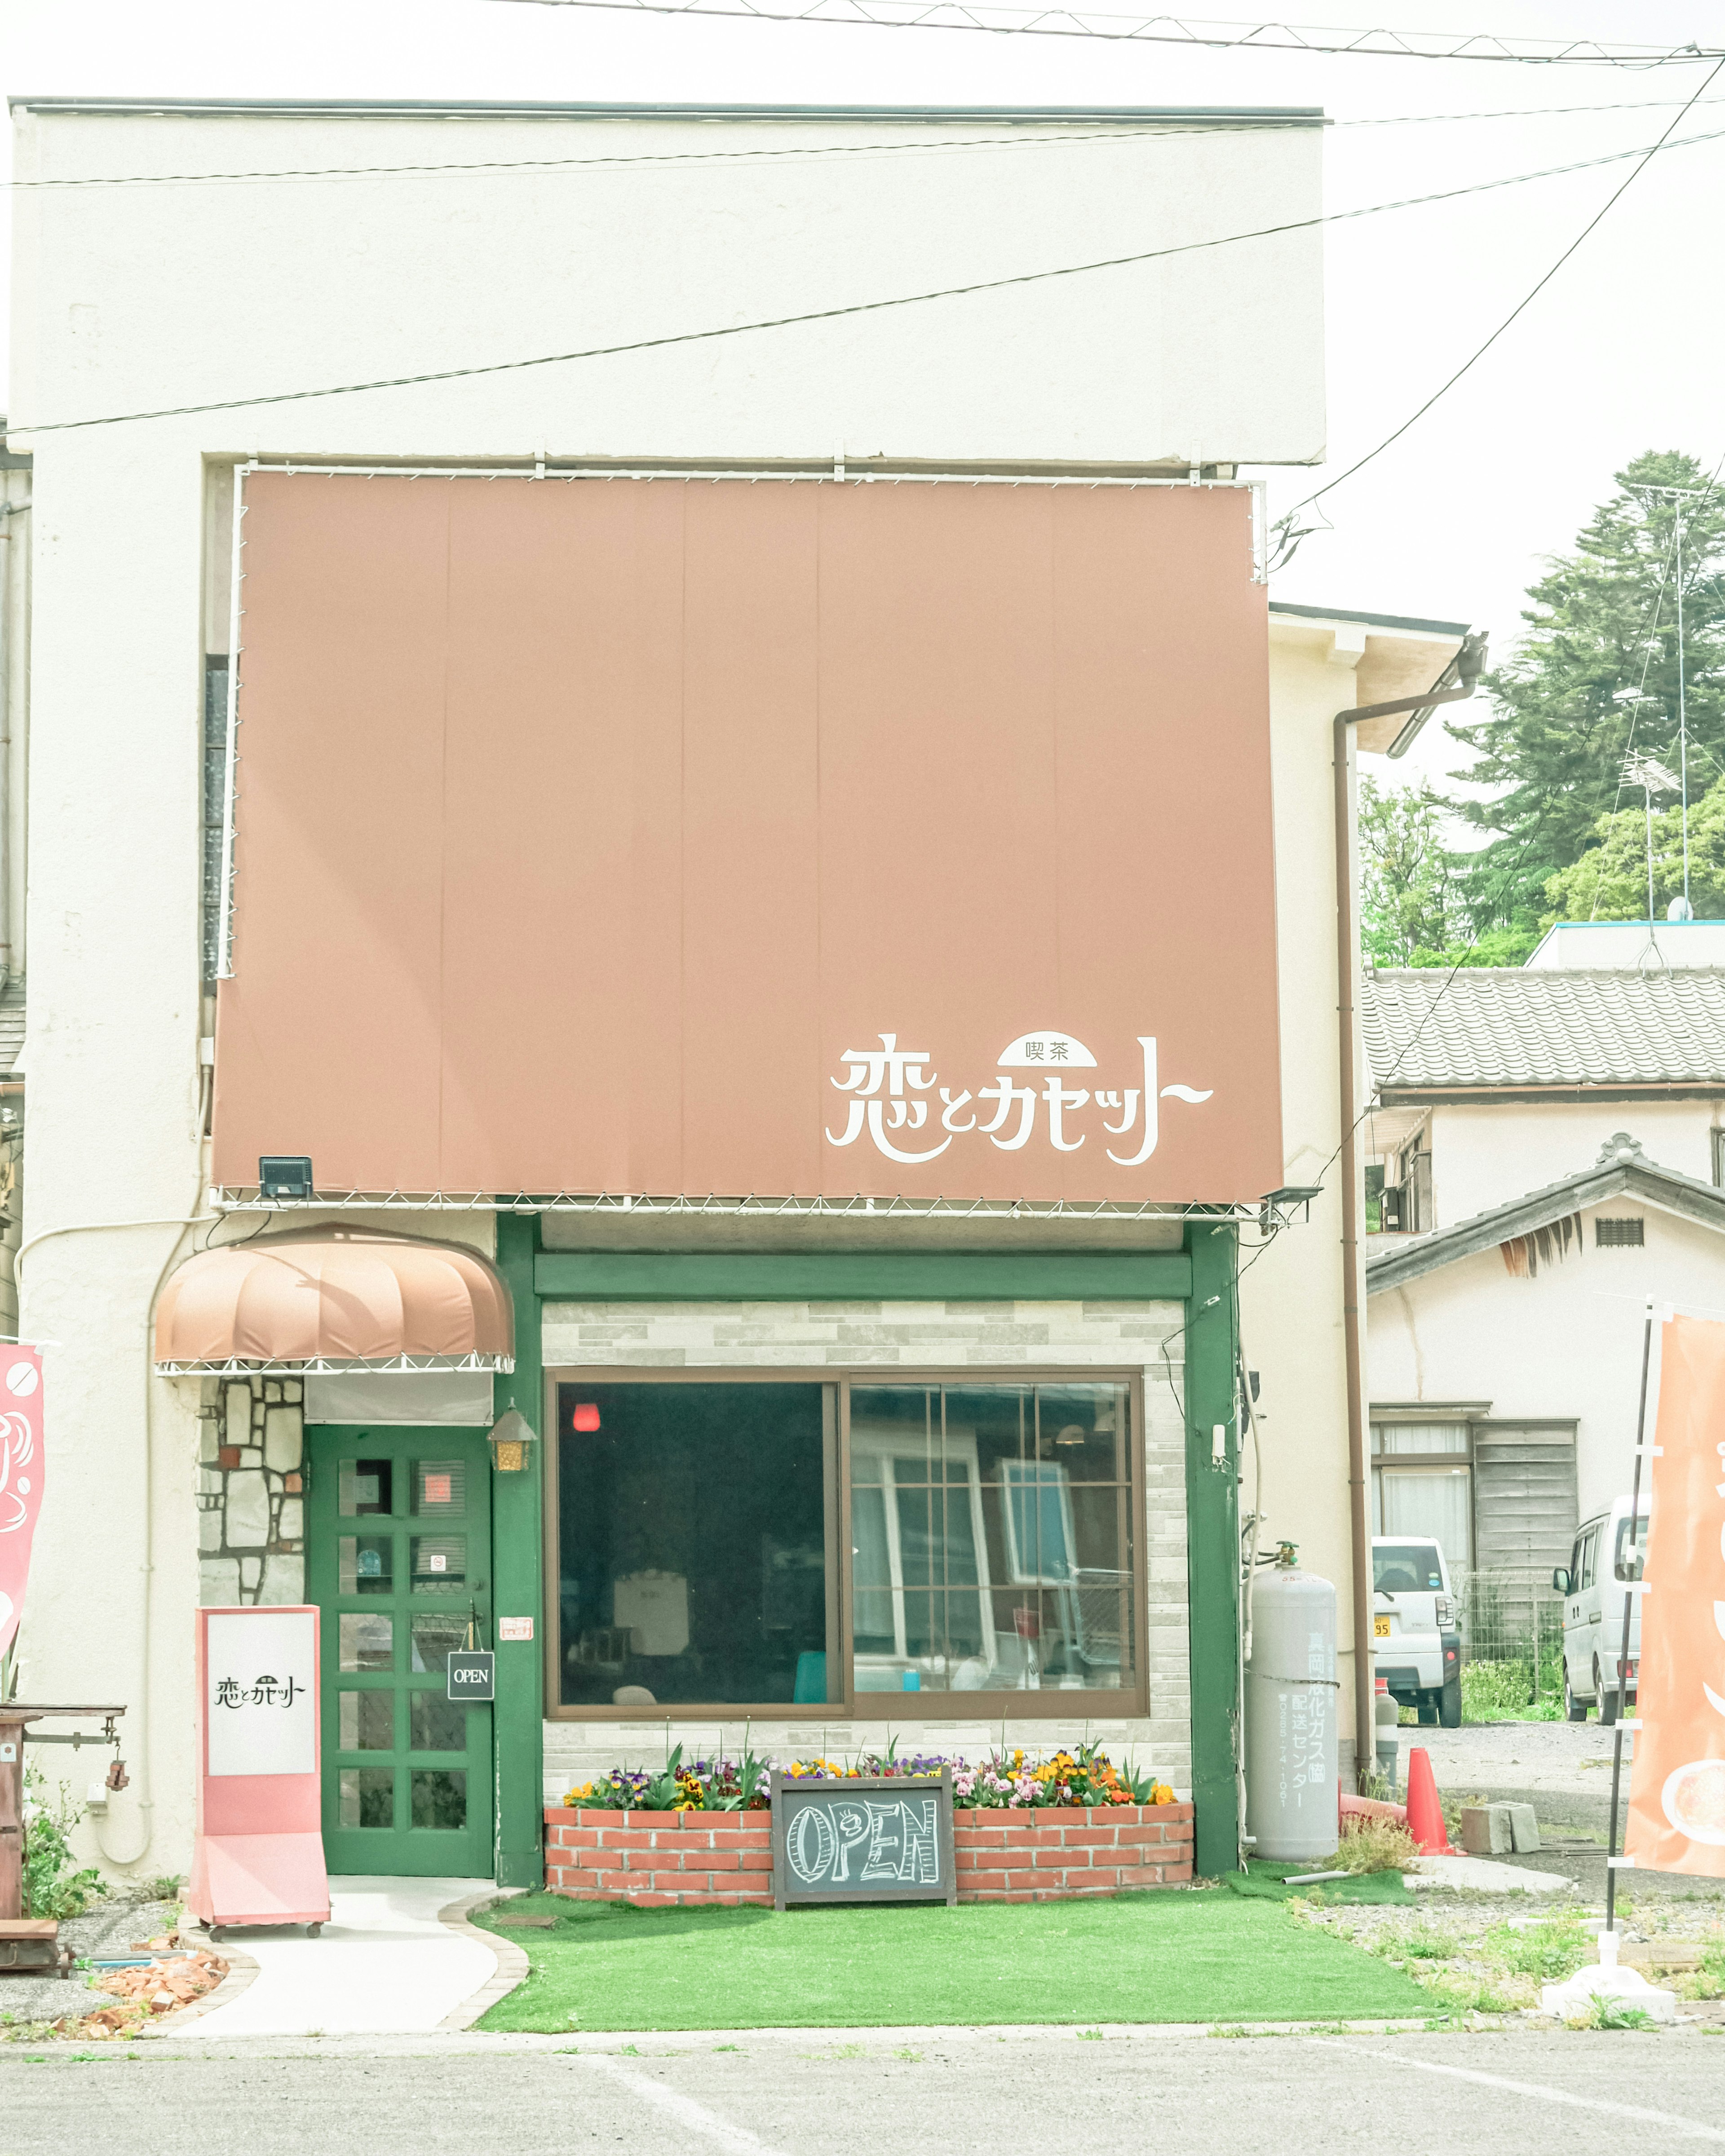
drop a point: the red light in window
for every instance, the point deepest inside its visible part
(587, 1414)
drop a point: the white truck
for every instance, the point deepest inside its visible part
(1607, 1555)
(1414, 1619)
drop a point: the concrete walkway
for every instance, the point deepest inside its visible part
(384, 1963)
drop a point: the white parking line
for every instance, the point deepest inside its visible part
(692, 2116)
(1691, 2127)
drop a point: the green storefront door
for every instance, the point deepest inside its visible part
(398, 1559)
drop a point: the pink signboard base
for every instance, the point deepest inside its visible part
(258, 1879)
(258, 1858)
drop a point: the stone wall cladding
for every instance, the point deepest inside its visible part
(251, 1533)
(675, 1860)
(912, 1338)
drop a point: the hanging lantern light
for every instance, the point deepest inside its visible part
(512, 1435)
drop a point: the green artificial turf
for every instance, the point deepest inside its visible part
(1203, 1956)
(1281, 1883)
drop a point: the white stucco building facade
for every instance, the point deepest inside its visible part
(167, 335)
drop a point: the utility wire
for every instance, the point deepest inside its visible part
(1166, 30)
(1288, 539)
(1077, 132)
(880, 307)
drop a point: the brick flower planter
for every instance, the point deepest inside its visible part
(659, 1859)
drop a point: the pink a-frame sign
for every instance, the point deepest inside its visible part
(258, 1855)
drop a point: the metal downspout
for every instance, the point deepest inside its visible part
(1463, 672)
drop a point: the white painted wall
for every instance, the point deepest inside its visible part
(132, 298)
(1484, 1156)
(137, 298)
(1566, 1344)
(1290, 1298)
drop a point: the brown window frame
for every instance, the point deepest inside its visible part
(1124, 1701)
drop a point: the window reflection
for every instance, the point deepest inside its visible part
(991, 1546)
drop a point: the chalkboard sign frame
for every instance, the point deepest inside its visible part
(791, 1798)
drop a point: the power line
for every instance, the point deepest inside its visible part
(1290, 539)
(1072, 134)
(879, 306)
(1165, 30)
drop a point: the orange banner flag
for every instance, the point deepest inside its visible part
(1676, 1818)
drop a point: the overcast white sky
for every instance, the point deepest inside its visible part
(1625, 350)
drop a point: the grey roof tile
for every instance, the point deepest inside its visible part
(1503, 1026)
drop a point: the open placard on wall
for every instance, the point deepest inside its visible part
(868, 1838)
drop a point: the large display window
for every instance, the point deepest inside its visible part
(792, 1544)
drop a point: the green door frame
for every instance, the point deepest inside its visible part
(399, 1848)
(1203, 1274)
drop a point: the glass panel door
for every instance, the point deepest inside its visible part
(399, 1558)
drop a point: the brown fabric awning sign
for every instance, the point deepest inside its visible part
(677, 838)
(334, 1299)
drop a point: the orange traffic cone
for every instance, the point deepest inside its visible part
(1425, 1815)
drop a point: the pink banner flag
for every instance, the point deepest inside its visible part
(20, 1478)
(1676, 1819)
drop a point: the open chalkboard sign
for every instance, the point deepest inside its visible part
(869, 1838)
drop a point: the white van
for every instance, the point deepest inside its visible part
(1606, 1554)
(1414, 1618)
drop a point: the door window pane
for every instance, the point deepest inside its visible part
(367, 1642)
(439, 1488)
(439, 1564)
(439, 1797)
(991, 1536)
(366, 1796)
(364, 1564)
(435, 1723)
(437, 1635)
(365, 1485)
(692, 1543)
(366, 1721)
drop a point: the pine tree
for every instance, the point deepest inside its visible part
(1602, 620)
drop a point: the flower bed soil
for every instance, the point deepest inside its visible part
(661, 1860)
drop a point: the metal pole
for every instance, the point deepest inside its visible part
(1628, 1601)
(1683, 729)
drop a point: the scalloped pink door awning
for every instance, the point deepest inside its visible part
(331, 1299)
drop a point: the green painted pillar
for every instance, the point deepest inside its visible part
(517, 1583)
(1212, 1540)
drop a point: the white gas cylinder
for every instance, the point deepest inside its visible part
(1292, 1703)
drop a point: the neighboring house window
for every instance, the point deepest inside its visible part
(1419, 1200)
(1718, 1137)
(988, 1533)
(1618, 1235)
(1500, 1500)
(1421, 1485)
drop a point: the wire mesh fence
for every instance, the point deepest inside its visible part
(1511, 1645)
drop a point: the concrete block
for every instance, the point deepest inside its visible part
(1486, 1831)
(1524, 1827)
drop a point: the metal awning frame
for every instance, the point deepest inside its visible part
(247, 1198)
(331, 1367)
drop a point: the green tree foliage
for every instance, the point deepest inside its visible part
(1610, 881)
(1407, 877)
(1411, 912)
(1550, 750)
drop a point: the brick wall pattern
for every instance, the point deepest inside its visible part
(667, 1859)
